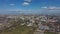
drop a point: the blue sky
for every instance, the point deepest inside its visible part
(18, 4)
(36, 6)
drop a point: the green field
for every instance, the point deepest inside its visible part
(50, 32)
(18, 30)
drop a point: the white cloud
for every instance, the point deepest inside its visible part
(28, 0)
(51, 8)
(44, 7)
(11, 4)
(25, 4)
(54, 8)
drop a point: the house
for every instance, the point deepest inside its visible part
(44, 27)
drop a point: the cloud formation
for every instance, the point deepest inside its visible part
(28, 0)
(25, 4)
(44, 7)
(51, 8)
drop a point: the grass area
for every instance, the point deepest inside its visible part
(50, 33)
(18, 30)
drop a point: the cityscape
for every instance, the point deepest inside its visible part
(37, 24)
(29, 16)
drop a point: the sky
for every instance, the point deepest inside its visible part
(30, 6)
